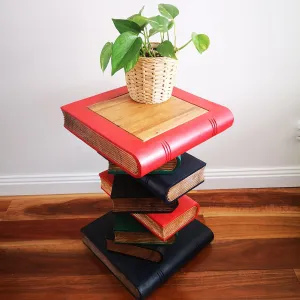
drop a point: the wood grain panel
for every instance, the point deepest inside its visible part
(255, 254)
(48, 258)
(276, 284)
(247, 254)
(40, 230)
(71, 257)
(147, 121)
(245, 227)
(4, 204)
(55, 207)
(252, 202)
(297, 272)
(60, 287)
(248, 284)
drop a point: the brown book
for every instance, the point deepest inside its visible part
(128, 230)
(145, 238)
(151, 253)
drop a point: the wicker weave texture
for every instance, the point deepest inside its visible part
(101, 144)
(152, 79)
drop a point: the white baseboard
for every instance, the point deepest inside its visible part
(89, 183)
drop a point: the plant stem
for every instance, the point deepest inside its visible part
(148, 42)
(161, 38)
(174, 34)
(168, 35)
(177, 49)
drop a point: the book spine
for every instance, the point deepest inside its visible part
(158, 190)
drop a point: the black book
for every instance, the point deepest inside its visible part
(172, 186)
(128, 195)
(141, 277)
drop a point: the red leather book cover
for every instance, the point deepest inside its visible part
(107, 181)
(186, 211)
(140, 138)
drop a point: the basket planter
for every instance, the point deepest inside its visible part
(152, 79)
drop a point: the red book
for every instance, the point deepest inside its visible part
(165, 225)
(140, 138)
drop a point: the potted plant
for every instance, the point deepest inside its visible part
(150, 67)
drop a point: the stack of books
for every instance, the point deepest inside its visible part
(152, 230)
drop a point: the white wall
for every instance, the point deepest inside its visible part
(50, 56)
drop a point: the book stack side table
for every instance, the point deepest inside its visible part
(139, 139)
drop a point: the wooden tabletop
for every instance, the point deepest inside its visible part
(255, 255)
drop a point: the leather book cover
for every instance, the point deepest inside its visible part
(141, 138)
(165, 225)
(128, 230)
(139, 276)
(127, 195)
(168, 168)
(170, 187)
(148, 252)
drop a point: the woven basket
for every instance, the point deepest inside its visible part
(152, 79)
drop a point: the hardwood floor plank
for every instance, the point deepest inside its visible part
(254, 284)
(252, 202)
(249, 227)
(297, 272)
(48, 258)
(255, 254)
(42, 229)
(285, 197)
(71, 257)
(58, 207)
(4, 204)
(59, 287)
(247, 254)
(248, 284)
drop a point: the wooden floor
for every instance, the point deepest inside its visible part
(255, 255)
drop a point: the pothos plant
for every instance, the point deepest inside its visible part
(134, 39)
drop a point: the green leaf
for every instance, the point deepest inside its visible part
(105, 55)
(169, 11)
(126, 25)
(132, 63)
(159, 23)
(152, 32)
(166, 49)
(124, 49)
(201, 41)
(171, 24)
(140, 20)
(141, 10)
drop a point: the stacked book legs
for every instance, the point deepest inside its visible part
(152, 230)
